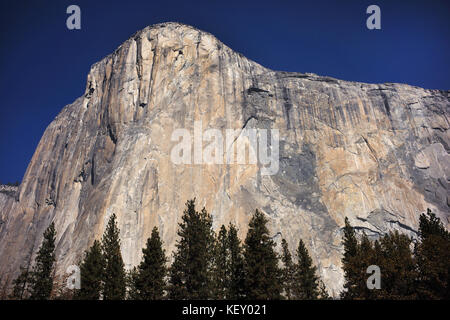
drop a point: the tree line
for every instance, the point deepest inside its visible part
(410, 268)
(206, 265)
(11, 184)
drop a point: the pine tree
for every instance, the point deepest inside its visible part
(21, 285)
(149, 278)
(114, 280)
(288, 270)
(132, 277)
(91, 273)
(323, 292)
(433, 258)
(365, 257)
(192, 271)
(236, 265)
(222, 264)
(262, 275)
(178, 275)
(358, 256)
(42, 274)
(430, 225)
(398, 269)
(306, 281)
(350, 264)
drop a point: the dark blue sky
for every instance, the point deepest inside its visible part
(44, 65)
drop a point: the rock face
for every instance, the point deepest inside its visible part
(376, 153)
(10, 190)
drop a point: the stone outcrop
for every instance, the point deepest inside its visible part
(9, 190)
(376, 153)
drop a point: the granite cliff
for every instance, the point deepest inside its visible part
(375, 153)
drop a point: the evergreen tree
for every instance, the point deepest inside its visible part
(398, 269)
(42, 274)
(178, 275)
(91, 273)
(192, 272)
(236, 266)
(222, 264)
(306, 280)
(323, 292)
(114, 280)
(21, 285)
(350, 264)
(378, 252)
(433, 258)
(132, 277)
(262, 275)
(288, 271)
(430, 225)
(364, 258)
(149, 278)
(391, 253)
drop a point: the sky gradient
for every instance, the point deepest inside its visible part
(44, 65)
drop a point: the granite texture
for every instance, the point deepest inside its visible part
(376, 153)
